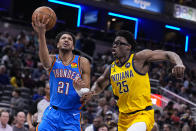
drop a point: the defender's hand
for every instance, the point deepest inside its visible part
(86, 96)
(178, 71)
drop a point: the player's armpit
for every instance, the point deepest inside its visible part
(53, 58)
(102, 82)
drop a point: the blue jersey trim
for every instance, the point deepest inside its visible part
(135, 68)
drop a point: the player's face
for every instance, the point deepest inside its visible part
(65, 42)
(120, 47)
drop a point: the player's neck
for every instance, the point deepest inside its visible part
(122, 60)
(66, 57)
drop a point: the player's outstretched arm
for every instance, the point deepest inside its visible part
(148, 56)
(40, 28)
(102, 82)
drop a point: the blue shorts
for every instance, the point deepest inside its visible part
(59, 120)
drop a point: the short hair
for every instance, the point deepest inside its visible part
(17, 91)
(3, 111)
(58, 36)
(128, 36)
(103, 125)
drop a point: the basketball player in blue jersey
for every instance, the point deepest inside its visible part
(68, 73)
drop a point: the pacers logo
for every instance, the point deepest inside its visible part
(73, 65)
(127, 65)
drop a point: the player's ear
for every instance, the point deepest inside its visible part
(73, 47)
(58, 45)
(129, 47)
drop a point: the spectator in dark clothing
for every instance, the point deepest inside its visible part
(4, 79)
(39, 107)
(20, 119)
(37, 72)
(88, 46)
(96, 123)
(17, 102)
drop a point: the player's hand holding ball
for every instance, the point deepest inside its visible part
(43, 19)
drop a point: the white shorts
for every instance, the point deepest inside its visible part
(138, 126)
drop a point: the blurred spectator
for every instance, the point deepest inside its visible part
(84, 122)
(39, 94)
(4, 118)
(89, 113)
(103, 127)
(29, 61)
(20, 119)
(16, 80)
(96, 123)
(4, 79)
(39, 107)
(88, 46)
(155, 127)
(79, 40)
(8, 52)
(167, 127)
(175, 117)
(37, 72)
(101, 103)
(17, 102)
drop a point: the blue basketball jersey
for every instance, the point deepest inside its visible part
(62, 92)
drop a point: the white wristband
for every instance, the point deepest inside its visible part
(82, 91)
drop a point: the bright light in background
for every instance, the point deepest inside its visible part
(71, 5)
(178, 29)
(186, 43)
(172, 27)
(129, 18)
(113, 19)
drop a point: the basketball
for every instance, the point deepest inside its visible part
(48, 13)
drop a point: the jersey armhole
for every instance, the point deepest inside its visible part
(109, 74)
(54, 60)
(135, 68)
(79, 65)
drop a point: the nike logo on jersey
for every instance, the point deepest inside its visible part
(65, 73)
(74, 114)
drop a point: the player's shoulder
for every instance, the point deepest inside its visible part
(84, 60)
(52, 56)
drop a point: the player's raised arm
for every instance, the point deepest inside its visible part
(102, 82)
(40, 28)
(148, 56)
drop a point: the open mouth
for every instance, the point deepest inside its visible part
(113, 51)
(65, 44)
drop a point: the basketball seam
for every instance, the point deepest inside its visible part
(41, 12)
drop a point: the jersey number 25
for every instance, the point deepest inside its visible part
(123, 87)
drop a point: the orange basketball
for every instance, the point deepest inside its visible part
(48, 13)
